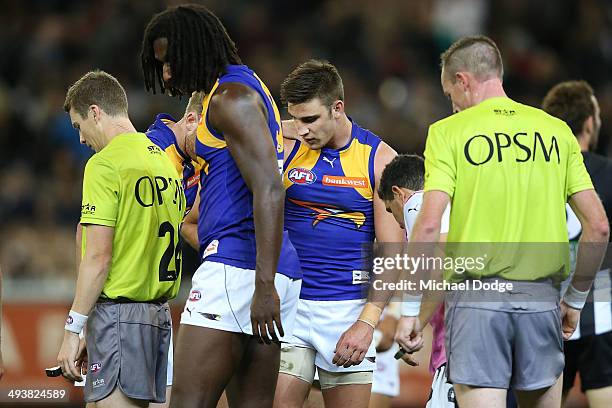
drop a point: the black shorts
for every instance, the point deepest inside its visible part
(591, 356)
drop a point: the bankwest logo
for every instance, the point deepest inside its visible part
(193, 180)
(340, 181)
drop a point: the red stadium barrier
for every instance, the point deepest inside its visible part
(32, 334)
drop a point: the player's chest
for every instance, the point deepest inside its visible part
(330, 177)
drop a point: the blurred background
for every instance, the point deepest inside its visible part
(387, 52)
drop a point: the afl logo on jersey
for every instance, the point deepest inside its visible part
(195, 296)
(301, 176)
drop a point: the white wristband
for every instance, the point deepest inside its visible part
(411, 305)
(75, 322)
(575, 298)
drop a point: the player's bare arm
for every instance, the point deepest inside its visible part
(238, 112)
(385, 226)
(591, 250)
(189, 228)
(353, 344)
(81, 362)
(93, 272)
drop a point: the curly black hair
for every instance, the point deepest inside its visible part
(199, 49)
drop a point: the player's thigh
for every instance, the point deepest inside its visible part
(117, 399)
(297, 372)
(549, 397)
(600, 397)
(477, 397)
(379, 401)
(353, 395)
(291, 392)
(346, 389)
(254, 380)
(315, 398)
(223, 402)
(201, 351)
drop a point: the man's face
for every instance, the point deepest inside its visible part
(314, 122)
(160, 49)
(396, 206)
(89, 130)
(596, 124)
(455, 92)
(185, 131)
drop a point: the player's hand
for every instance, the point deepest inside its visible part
(387, 328)
(68, 355)
(81, 361)
(265, 312)
(409, 334)
(570, 318)
(290, 130)
(353, 345)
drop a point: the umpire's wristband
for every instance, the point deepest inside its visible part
(75, 322)
(411, 305)
(575, 298)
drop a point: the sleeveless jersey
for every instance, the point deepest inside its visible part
(226, 228)
(329, 214)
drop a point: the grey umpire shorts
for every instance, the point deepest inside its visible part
(504, 340)
(127, 346)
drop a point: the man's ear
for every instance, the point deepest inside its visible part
(463, 79)
(588, 126)
(398, 192)
(191, 121)
(337, 109)
(95, 112)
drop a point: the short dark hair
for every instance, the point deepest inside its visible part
(312, 79)
(405, 170)
(478, 55)
(199, 49)
(572, 102)
(97, 88)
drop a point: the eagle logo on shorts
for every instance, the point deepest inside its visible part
(322, 212)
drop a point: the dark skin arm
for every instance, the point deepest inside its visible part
(239, 113)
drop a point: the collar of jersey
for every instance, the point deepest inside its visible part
(159, 122)
(348, 144)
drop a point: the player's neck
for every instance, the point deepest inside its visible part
(584, 142)
(488, 89)
(343, 133)
(118, 127)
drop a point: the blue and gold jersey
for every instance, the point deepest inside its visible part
(225, 226)
(160, 134)
(329, 214)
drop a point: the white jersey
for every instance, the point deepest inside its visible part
(596, 316)
(412, 207)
